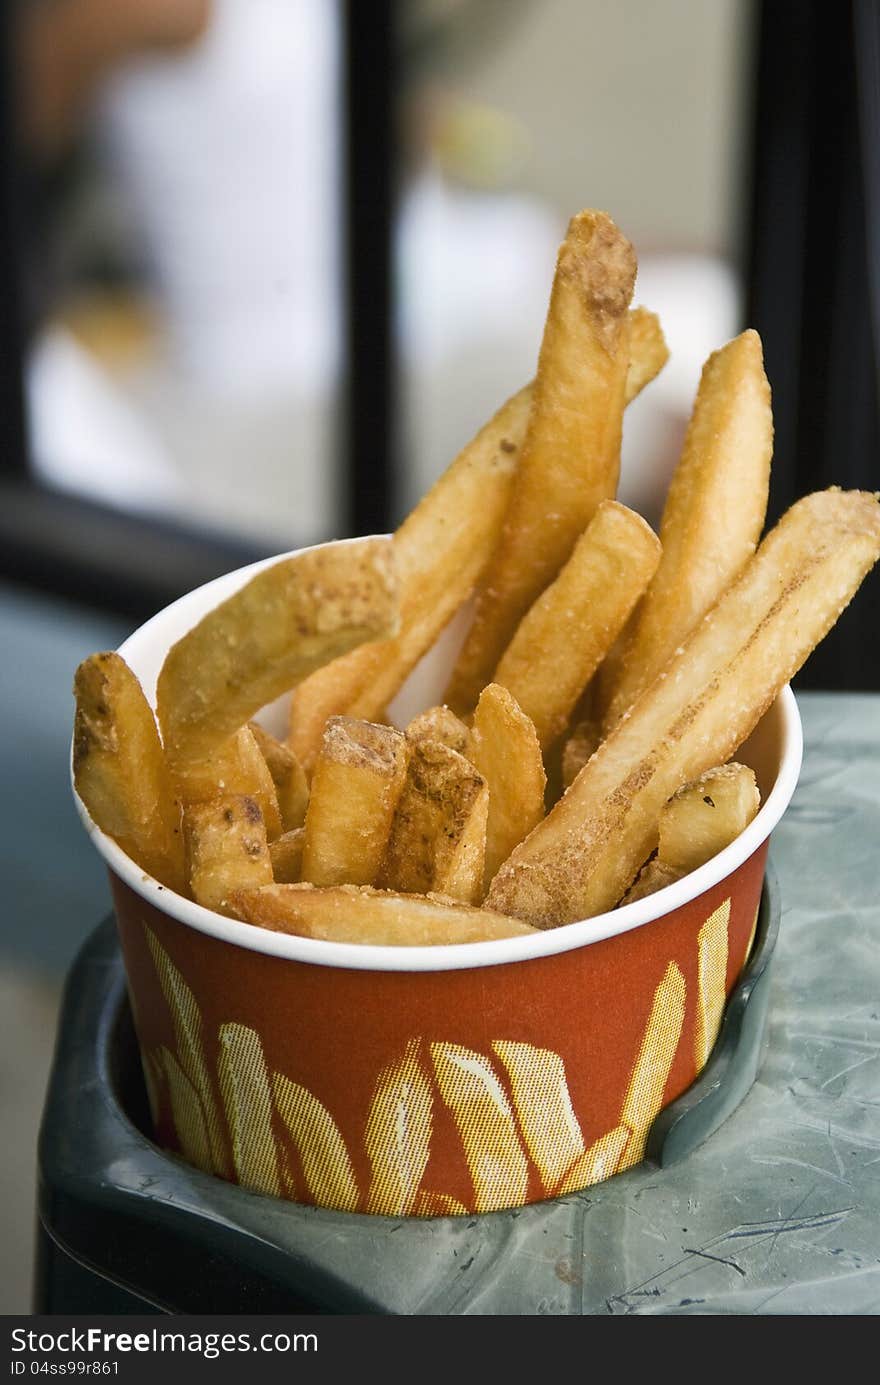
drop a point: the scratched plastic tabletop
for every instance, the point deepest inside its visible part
(779, 1211)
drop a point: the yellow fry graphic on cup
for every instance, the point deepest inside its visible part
(154, 1079)
(244, 1083)
(599, 1162)
(711, 981)
(543, 1105)
(187, 1114)
(398, 1134)
(327, 1168)
(429, 1204)
(644, 1095)
(498, 1166)
(190, 1052)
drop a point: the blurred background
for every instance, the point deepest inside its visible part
(266, 265)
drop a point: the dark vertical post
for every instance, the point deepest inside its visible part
(812, 264)
(369, 423)
(13, 451)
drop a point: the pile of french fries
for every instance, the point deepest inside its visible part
(582, 756)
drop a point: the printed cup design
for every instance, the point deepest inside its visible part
(509, 1104)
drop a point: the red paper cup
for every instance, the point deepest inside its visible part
(432, 1081)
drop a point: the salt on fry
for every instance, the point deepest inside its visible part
(226, 849)
(439, 724)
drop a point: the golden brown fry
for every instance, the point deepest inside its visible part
(699, 820)
(705, 816)
(288, 776)
(712, 519)
(236, 767)
(226, 850)
(563, 637)
(355, 791)
(284, 623)
(439, 724)
(580, 859)
(381, 918)
(440, 551)
(119, 768)
(571, 454)
(286, 853)
(655, 875)
(438, 838)
(505, 750)
(580, 745)
(648, 352)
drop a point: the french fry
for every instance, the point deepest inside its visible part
(705, 816)
(381, 918)
(571, 454)
(440, 550)
(720, 488)
(699, 820)
(578, 748)
(288, 776)
(505, 751)
(236, 767)
(120, 771)
(285, 853)
(439, 724)
(282, 625)
(580, 859)
(563, 637)
(355, 791)
(226, 849)
(654, 875)
(438, 836)
(648, 352)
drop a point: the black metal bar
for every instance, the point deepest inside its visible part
(369, 450)
(128, 564)
(13, 450)
(809, 296)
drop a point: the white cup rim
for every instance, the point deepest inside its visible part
(459, 956)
